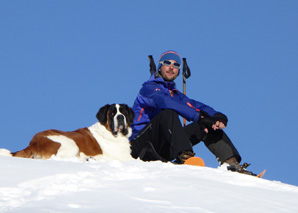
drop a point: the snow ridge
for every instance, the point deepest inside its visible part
(57, 185)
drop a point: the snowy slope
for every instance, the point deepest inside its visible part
(54, 185)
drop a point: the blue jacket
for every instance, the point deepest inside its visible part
(156, 95)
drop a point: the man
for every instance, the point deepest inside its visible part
(157, 131)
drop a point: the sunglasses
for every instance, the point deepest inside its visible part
(169, 63)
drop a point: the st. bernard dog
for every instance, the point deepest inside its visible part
(107, 139)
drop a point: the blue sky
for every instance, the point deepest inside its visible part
(61, 61)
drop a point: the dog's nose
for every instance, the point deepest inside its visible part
(120, 117)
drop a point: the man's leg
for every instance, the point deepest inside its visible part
(216, 141)
(221, 146)
(166, 134)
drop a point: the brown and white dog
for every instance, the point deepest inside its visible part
(107, 139)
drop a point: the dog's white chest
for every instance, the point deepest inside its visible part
(113, 148)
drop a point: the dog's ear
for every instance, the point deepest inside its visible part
(102, 114)
(131, 114)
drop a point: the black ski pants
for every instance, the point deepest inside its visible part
(164, 138)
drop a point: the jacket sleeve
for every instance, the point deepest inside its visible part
(202, 107)
(156, 96)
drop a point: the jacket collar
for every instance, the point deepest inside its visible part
(158, 79)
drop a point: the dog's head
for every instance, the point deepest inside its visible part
(117, 118)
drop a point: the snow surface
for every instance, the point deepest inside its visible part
(54, 185)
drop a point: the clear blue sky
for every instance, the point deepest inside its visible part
(60, 61)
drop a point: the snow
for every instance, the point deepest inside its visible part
(56, 185)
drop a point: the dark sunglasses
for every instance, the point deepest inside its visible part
(168, 63)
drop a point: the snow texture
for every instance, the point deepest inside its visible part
(56, 185)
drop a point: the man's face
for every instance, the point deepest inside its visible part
(169, 73)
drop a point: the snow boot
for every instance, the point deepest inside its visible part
(233, 165)
(183, 156)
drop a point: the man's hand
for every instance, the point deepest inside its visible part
(205, 121)
(218, 125)
(221, 121)
(218, 121)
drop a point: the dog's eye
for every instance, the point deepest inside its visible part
(122, 110)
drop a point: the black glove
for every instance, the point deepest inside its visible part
(221, 118)
(205, 121)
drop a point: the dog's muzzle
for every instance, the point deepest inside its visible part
(120, 125)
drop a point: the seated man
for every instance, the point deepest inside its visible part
(157, 131)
